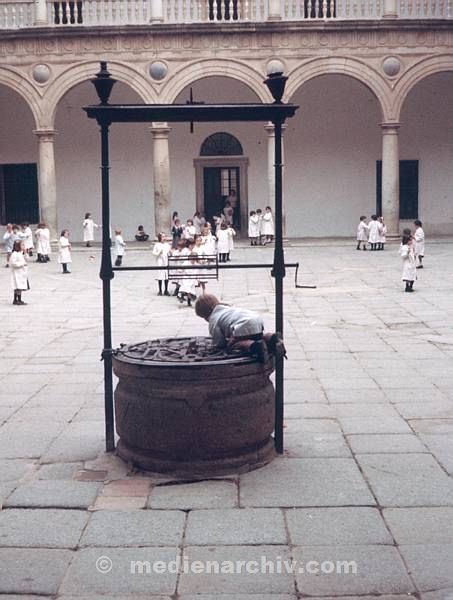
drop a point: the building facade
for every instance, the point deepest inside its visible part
(374, 131)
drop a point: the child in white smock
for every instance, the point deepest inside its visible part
(64, 251)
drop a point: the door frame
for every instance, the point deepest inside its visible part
(226, 162)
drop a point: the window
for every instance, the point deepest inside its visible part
(221, 144)
(408, 189)
(19, 201)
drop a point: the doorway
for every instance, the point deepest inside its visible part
(19, 202)
(218, 184)
(408, 189)
(221, 175)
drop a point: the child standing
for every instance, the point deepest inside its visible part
(43, 249)
(268, 229)
(254, 230)
(362, 233)
(419, 248)
(238, 329)
(161, 250)
(27, 236)
(231, 233)
(223, 243)
(19, 274)
(408, 256)
(9, 238)
(374, 228)
(64, 251)
(188, 280)
(120, 246)
(382, 234)
(88, 229)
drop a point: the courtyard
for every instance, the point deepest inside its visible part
(366, 478)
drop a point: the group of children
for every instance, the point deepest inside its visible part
(373, 233)
(190, 254)
(261, 228)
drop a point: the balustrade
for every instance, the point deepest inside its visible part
(24, 13)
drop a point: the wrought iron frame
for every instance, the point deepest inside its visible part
(106, 114)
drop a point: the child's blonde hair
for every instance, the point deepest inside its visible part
(205, 305)
(117, 231)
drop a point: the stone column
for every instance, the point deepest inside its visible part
(390, 9)
(47, 180)
(161, 172)
(275, 13)
(271, 171)
(41, 13)
(390, 177)
(157, 11)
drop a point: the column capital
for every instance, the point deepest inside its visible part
(45, 135)
(390, 128)
(270, 129)
(160, 130)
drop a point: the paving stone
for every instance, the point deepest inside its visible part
(54, 494)
(203, 494)
(32, 570)
(111, 595)
(238, 597)
(425, 410)
(336, 526)
(135, 528)
(445, 594)
(356, 396)
(132, 486)
(380, 570)
(259, 582)
(407, 479)
(36, 414)
(41, 528)
(432, 525)
(78, 442)
(313, 445)
(430, 565)
(13, 470)
(381, 443)
(27, 440)
(297, 482)
(310, 411)
(119, 571)
(373, 425)
(433, 426)
(58, 470)
(302, 426)
(374, 409)
(235, 527)
(127, 503)
(442, 448)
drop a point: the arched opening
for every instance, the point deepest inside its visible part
(426, 143)
(77, 158)
(19, 195)
(332, 146)
(217, 158)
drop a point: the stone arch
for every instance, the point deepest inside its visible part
(415, 74)
(343, 66)
(71, 77)
(21, 85)
(201, 69)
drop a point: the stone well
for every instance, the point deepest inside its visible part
(185, 408)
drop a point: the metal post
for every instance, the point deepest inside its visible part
(106, 274)
(278, 272)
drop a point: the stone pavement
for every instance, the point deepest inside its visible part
(367, 473)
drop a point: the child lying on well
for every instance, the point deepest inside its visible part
(238, 329)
